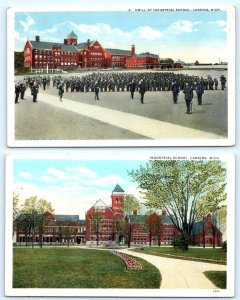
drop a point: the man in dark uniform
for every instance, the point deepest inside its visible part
(60, 91)
(96, 90)
(23, 89)
(142, 90)
(17, 92)
(132, 88)
(175, 91)
(223, 81)
(34, 91)
(199, 91)
(188, 91)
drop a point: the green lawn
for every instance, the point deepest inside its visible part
(78, 268)
(192, 254)
(219, 278)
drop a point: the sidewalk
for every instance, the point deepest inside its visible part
(144, 126)
(180, 274)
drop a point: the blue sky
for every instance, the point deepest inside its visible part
(190, 35)
(73, 186)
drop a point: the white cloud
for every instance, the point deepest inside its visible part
(184, 26)
(46, 179)
(148, 33)
(25, 175)
(221, 23)
(29, 21)
(56, 173)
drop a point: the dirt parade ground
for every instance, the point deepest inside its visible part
(116, 116)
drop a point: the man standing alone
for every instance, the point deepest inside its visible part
(199, 91)
(175, 91)
(142, 90)
(188, 91)
(34, 91)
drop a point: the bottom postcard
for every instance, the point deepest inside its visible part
(126, 226)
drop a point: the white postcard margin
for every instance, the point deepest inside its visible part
(229, 292)
(12, 142)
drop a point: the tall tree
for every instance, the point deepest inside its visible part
(131, 205)
(153, 227)
(32, 216)
(186, 189)
(19, 61)
(16, 201)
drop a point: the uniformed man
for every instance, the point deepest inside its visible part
(199, 91)
(17, 92)
(223, 81)
(188, 91)
(175, 91)
(60, 91)
(132, 88)
(34, 91)
(142, 90)
(96, 90)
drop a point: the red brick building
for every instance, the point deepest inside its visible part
(104, 225)
(90, 54)
(143, 61)
(72, 55)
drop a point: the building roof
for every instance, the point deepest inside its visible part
(140, 219)
(119, 51)
(82, 46)
(118, 189)
(146, 54)
(49, 45)
(67, 218)
(82, 222)
(72, 34)
(198, 227)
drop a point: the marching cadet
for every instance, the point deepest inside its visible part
(216, 83)
(96, 90)
(223, 81)
(142, 90)
(60, 91)
(199, 91)
(34, 91)
(132, 88)
(22, 89)
(17, 92)
(175, 91)
(188, 91)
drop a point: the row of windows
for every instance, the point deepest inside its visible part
(96, 53)
(55, 52)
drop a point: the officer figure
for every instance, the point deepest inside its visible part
(17, 92)
(199, 91)
(23, 89)
(188, 91)
(223, 81)
(142, 90)
(216, 83)
(60, 91)
(96, 90)
(175, 91)
(34, 91)
(132, 88)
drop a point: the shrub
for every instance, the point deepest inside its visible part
(224, 246)
(180, 242)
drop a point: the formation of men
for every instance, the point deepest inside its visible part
(141, 82)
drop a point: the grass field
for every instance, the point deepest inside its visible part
(212, 255)
(78, 268)
(219, 278)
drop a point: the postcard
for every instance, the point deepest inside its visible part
(128, 76)
(133, 225)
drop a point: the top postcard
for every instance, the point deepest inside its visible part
(133, 76)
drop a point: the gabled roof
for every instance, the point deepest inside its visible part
(198, 227)
(119, 51)
(118, 189)
(82, 222)
(72, 34)
(67, 218)
(48, 46)
(82, 46)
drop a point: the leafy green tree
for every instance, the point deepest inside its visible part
(166, 61)
(32, 217)
(186, 189)
(153, 227)
(196, 63)
(131, 205)
(16, 201)
(19, 61)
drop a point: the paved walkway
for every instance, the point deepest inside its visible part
(180, 274)
(150, 128)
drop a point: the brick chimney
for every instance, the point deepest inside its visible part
(88, 43)
(133, 50)
(164, 213)
(37, 38)
(65, 42)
